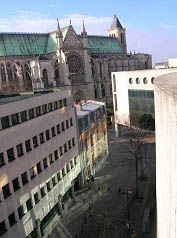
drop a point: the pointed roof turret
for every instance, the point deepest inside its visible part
(59, 33)
(84, 33)
(115, 23)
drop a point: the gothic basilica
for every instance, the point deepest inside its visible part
(40, 61)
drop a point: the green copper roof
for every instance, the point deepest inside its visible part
(14, 44)
(52, 43)
(104, 45)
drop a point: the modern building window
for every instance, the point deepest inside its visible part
(5, 122)
(6, 191)
(67, 168)
(115, 102)
(152, 80)
(53, 131)
(63, 172)
(50, 107)
(67, 124)
(59, 176)
(12, 219)
(20, 212)
(36, 198)
(137, 81)
(29, 205)
(60, 103)
(24, 178)
(19, 150)
(47, 133)
(65, 148)
(2, 228)
(56, 154)
(31, 113)
(55, 105)
(10, 154)
(38, 111)
(62, 126)
(23, 116)
(35, 142)
(71, 164)
(42, 190)
(38, 167)
(73, 141)
(69, 144)
(41, 138)
(15, 184)
(58, 129)
(71, 121)
(145, 81)
(44, 108)
(114, 82)
(15, 119)
(32, 172)
(1, 159)
(75, 160)
(28, 145)
(54, 181)
(51, 159)
(48, 186)
(64, 102)
(130, 81)
(61, 150)
(45, 164)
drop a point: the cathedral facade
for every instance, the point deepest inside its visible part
(40, 61)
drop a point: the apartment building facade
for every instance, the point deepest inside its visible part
(38, 161)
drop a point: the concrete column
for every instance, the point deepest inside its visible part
(38, 230)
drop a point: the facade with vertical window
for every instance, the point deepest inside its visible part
(32, 182)
(92, 125)
(133, 97)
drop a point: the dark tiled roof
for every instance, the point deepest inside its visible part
(116, 23)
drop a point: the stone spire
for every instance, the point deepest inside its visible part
(115, 23)
(84, 33)
(58, 33)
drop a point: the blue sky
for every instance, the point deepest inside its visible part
(151, 25)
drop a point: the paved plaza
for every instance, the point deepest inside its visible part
(100, 209)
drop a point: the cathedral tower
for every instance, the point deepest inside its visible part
(116, 30)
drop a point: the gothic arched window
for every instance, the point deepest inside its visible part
(103, 92)
(95, 91)
(45, 78)
(3, 74)
(9, 71)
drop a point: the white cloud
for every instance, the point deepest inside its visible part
(161, 42)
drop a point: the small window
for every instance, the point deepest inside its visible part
(24, 178)
(58, 129)
(10, 154)
(53, 131)
(5, 122)
(35, 142)
(60, 104)
(23, 116)
(42, 192)
(38, 111)
(65, 148)
(73, 141)
(61, 150)
(31, 113)
(36, 198)
(15, 184)
(54, 181)
(45, 164)
(44, 108)
(29, 205)
(63, 172)
(130, 81)
(41, 138)
(71, 164)
(47, 133)
(64, 102)
(38, 166)
(69, 144)
(62, 126)
(50, 107)
(67, 168)
(56, 154)
(71, 121)
(2, 228)
(48, 186)
(15, 119)
(1, 159)
(55, 105)
(59, 176)
(145, 81)
(21, 212)
(12, 219)
(67, 124)
(6, 191)
(19, 150)
(51, 159)
(75, 160)
(32, 172)
(28, 145)
(152, 80)
(137, 81)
